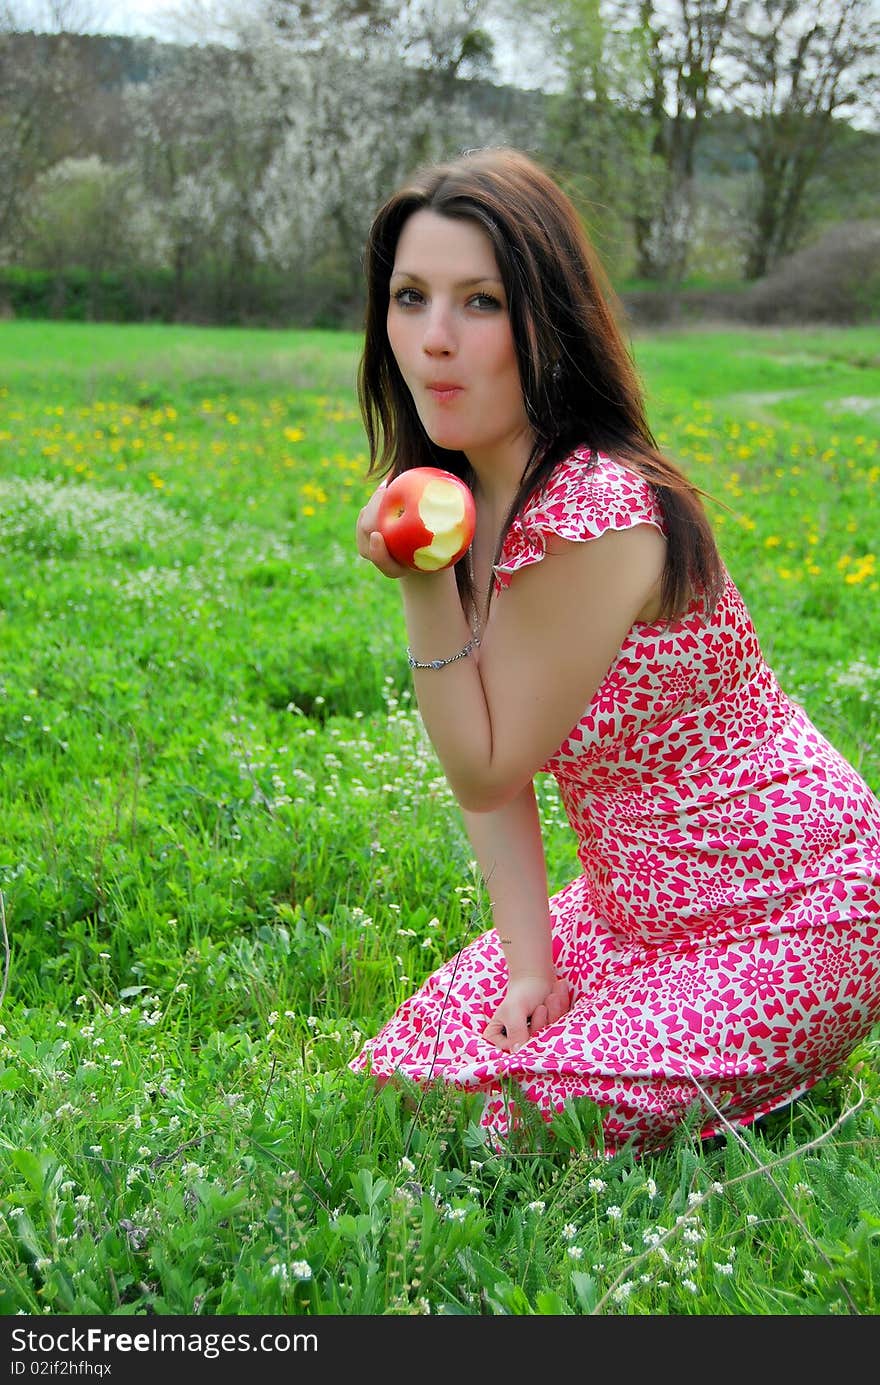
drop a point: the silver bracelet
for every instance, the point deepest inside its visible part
(441, 663)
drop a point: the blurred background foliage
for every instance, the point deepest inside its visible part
(723, 153)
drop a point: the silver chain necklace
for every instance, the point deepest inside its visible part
(476, 622)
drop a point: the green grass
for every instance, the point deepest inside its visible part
(228, 852)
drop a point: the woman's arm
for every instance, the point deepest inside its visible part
(548, 644)
(510, 853)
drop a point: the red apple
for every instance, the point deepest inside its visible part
(426, 517)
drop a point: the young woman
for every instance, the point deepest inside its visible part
(720, 950)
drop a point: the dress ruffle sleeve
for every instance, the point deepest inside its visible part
(587, 495)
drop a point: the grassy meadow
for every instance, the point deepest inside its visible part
(228, 852)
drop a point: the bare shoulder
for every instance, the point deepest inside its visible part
(627, 563)
(552, 638)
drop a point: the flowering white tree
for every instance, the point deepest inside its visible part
(277, 146)
(42, 80)
(82, 211)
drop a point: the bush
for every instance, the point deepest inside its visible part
(81, 295)
(834, 280)
(666, 306)
(209, 296)
(837, 279)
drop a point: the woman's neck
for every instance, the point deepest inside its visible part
(499, 474)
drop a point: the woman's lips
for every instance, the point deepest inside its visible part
(443, 391)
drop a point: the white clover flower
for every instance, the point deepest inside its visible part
(569, 1232)
(406, 1165)
(623, 1291)
(723, 1268)
(651, 1188)
(597, 1185)
(455, 1213)
(576, 1252)
(717, 1187)
(613, 1213)
(752, 1219)
(301, 1270)
(690, 1286)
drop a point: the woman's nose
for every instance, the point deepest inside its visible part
(439, 335)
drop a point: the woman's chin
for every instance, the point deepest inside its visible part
(448, 439)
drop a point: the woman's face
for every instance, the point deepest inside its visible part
(449, 329)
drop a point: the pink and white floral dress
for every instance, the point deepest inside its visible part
(722, 940)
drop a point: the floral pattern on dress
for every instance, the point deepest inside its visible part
(722, 940)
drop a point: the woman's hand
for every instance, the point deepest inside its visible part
(531, 1003)
(370, 543)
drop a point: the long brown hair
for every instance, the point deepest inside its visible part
(579, 383)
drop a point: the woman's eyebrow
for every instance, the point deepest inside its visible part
(462, 283)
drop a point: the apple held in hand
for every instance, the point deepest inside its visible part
(426, 517)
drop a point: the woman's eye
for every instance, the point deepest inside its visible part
(485, 301)
(407, 298)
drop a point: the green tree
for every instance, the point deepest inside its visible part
(797, 68)
(635, 81)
